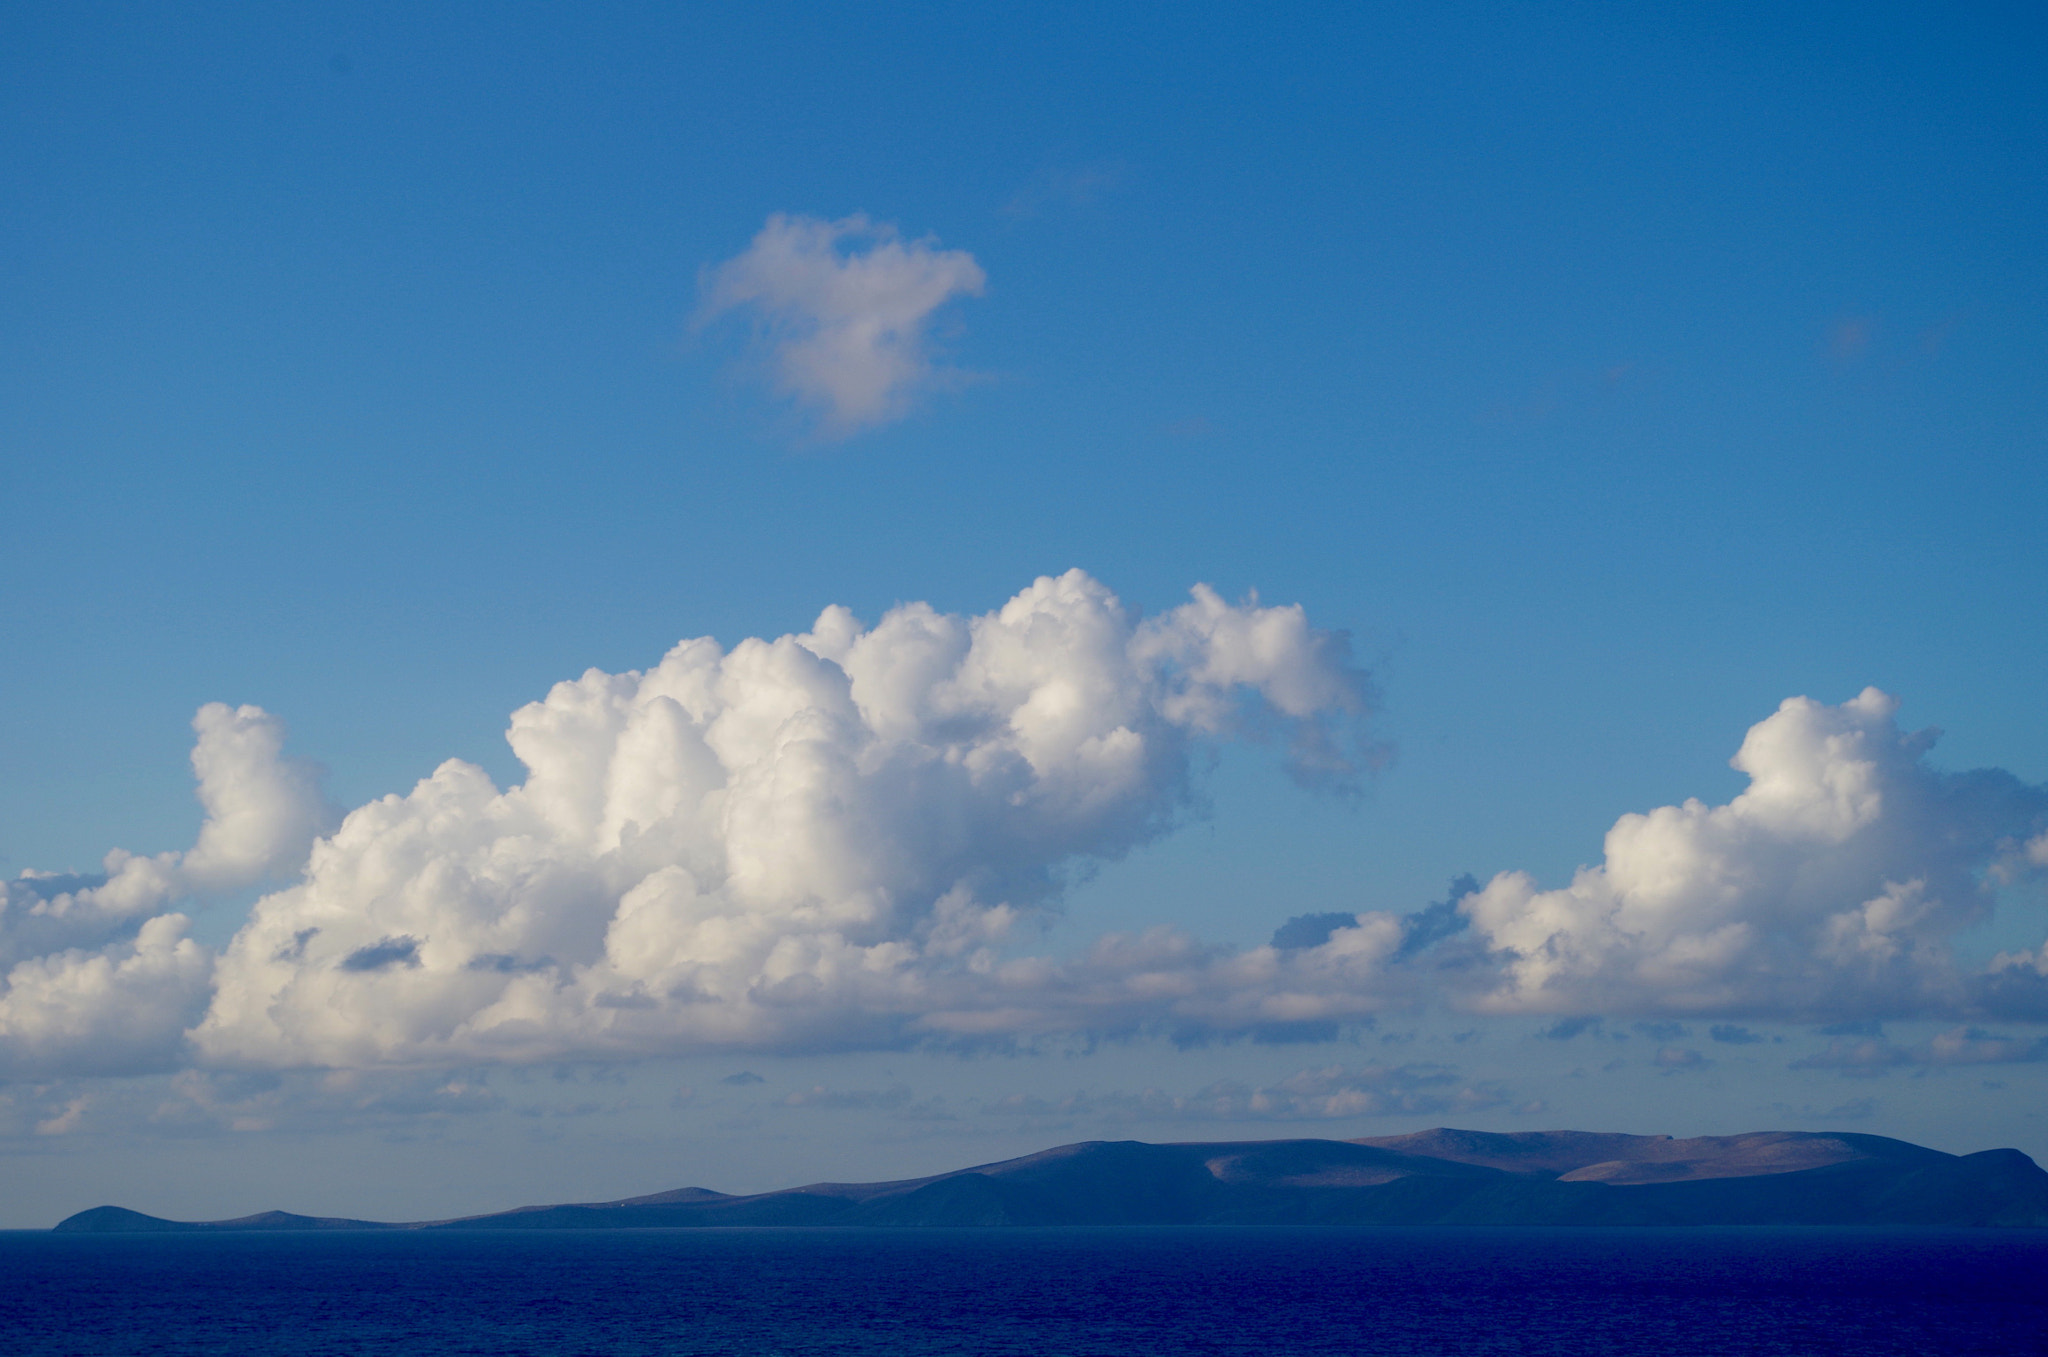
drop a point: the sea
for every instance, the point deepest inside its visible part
(770, 1292)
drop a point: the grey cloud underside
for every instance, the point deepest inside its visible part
(839, 840)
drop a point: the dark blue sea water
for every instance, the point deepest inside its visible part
(1618, 1293)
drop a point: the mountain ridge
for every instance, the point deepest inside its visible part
(1442, 1176)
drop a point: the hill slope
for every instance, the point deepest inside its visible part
(1436, 1177)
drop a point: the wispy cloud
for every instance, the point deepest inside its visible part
(843, 310)
(1073, 186)
(841, 1099)
(896, 1102)
(1957, 1046)
(1329, 1093)
(1678, 1059)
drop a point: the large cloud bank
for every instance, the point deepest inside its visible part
(819, 841)
(844, 308)
(846, 838)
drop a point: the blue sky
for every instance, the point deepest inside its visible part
(1609, 376)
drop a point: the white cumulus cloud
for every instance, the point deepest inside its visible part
(846, 839)
(118, 1009)
(823, 840)
(98, 979)
(1832, 886)
(844, 308)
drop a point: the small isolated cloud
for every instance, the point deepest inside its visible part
(2016, 985)
(1677, 1059)
(843, 310)
(742, 1079)
(1732, 1035)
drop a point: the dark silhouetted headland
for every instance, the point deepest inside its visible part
(1439, 1177)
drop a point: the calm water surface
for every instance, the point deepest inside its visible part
(1024, 1291)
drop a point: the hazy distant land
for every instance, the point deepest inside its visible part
(1438, 1177)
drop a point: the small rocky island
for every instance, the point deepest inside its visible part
(1438, 1177)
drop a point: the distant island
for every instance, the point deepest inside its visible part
(1439, 1177)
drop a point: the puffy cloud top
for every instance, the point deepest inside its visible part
(98, 980)
(812, 841)
(1831, 886)
(829, 840)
